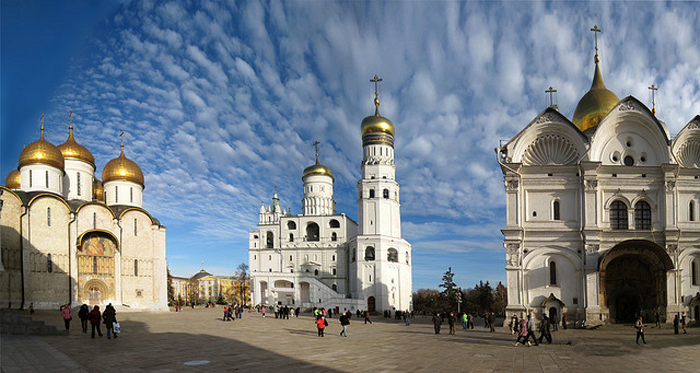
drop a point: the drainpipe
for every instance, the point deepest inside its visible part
(70, 260)
(21, 253)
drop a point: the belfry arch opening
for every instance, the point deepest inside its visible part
(633, 280)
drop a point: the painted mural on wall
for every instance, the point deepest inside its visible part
(96, 268)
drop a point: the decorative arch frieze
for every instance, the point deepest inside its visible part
(550, 150)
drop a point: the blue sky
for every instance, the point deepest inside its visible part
(221, 101)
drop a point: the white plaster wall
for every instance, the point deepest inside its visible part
(70, 180)
(122, 192)
(38, 179)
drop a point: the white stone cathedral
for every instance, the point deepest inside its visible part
(602, 219)
(68, 237)
(323, 259)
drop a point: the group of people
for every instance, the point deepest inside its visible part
(321, 322)
(399, 315)
(95, 318)
(281, 312)
(233, 312)
(526, 329)
(467, 321)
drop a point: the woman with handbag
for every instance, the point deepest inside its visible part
(110, 317)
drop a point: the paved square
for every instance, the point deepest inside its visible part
(197, 340)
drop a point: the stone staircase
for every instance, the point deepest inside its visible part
(12, 322)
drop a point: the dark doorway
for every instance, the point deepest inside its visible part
(552, 313)
(370, 304)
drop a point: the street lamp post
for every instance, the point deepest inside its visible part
(459, 300)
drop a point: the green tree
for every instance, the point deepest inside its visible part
(501, 300)
(484, 297)
(425, 301)
(449, 294)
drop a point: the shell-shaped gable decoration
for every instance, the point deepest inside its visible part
(688, 155)
(550, 150)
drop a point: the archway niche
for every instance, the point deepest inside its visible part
(633, 280)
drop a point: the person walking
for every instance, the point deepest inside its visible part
(95, 319)
(344, 322)
(544, 330)
(321, 325)
(452, 320)
(658, 320)
(367, 317)
(465, 321)
(437, 321)
(676, 323)
(492, 322)
(470, 323)
(531, 328)
(639, 325)
(683, 324)
(407, 318)
(564, 321)
(554, 322)
(67, 314)
(84, 315)
(514, 324)
(110, 317)
(523, 332)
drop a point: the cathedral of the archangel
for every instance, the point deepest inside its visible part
(320, 258)
(68, 237)
(603, 212)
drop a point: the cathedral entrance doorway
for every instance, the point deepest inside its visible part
(633, 280)
(94, 295)
(371, 304)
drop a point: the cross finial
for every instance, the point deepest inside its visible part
(121, 136)
(376, 81)
(653, 103)
(316, 143)
(42, 124)
(596, 30)
(551, 91)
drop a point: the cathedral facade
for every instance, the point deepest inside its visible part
(68, 237)
(602, 213)
(320, 258)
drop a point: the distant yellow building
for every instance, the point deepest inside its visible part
(205, 287)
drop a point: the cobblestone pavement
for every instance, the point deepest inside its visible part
(197, 340)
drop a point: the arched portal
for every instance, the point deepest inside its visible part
(371, 307)
(633, 280)
(96, 267)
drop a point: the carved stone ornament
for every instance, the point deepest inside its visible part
(511, 184)
(694, 124)
(592, 249)
(591, 184)
(670, 185)
(513, 255)
(628, 106)
(550, 149)
(672, 249)
(545, 118)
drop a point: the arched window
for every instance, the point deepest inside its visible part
(136, 228)
(392, 255)
(691, 211)
(136, 267)
(291, 225)
(78, 183)
(315, 272)
(552, 273)
(30, 178)
(48, 216)
(290, 258)
(386, 193)
(94, 220)
(694, 272)
(335, 271)
(270, 240)
(49, 263)
(291, 237)
(555, 211)
(333, 258)
(131, 194)
(371, 193)
(94, 265)
(407, 258)
(47, 179)
(618, 215)
(334, 224)
(334, 236)
(369, 253)
(312, 232)
(335, 287)
(642, 216)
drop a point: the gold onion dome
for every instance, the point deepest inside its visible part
(41, 152)
(72, 150)
(318, 169)
(377, 123)
(595, 104)
(12, 180)
(122, 168)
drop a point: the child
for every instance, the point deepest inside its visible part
(321, 325)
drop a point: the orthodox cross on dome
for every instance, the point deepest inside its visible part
(376, 81)
(596, 30)
(42, 124)
(653, 103)
(121, 137)
(70, 118)
(551, 91)
(316, 143)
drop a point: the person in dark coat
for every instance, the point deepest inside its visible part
(437, 321)
(344, 322)
(110, 317)
(492, 322)
(84, 315)
(544, 330)
(452, 319)
(95, 319)
(676, 323)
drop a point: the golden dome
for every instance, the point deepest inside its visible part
(595, 104)
(122, 168)
(377, 123)
(318, 169)
(72, 150)
(12, 180)
(41, 152)
(98, 190)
